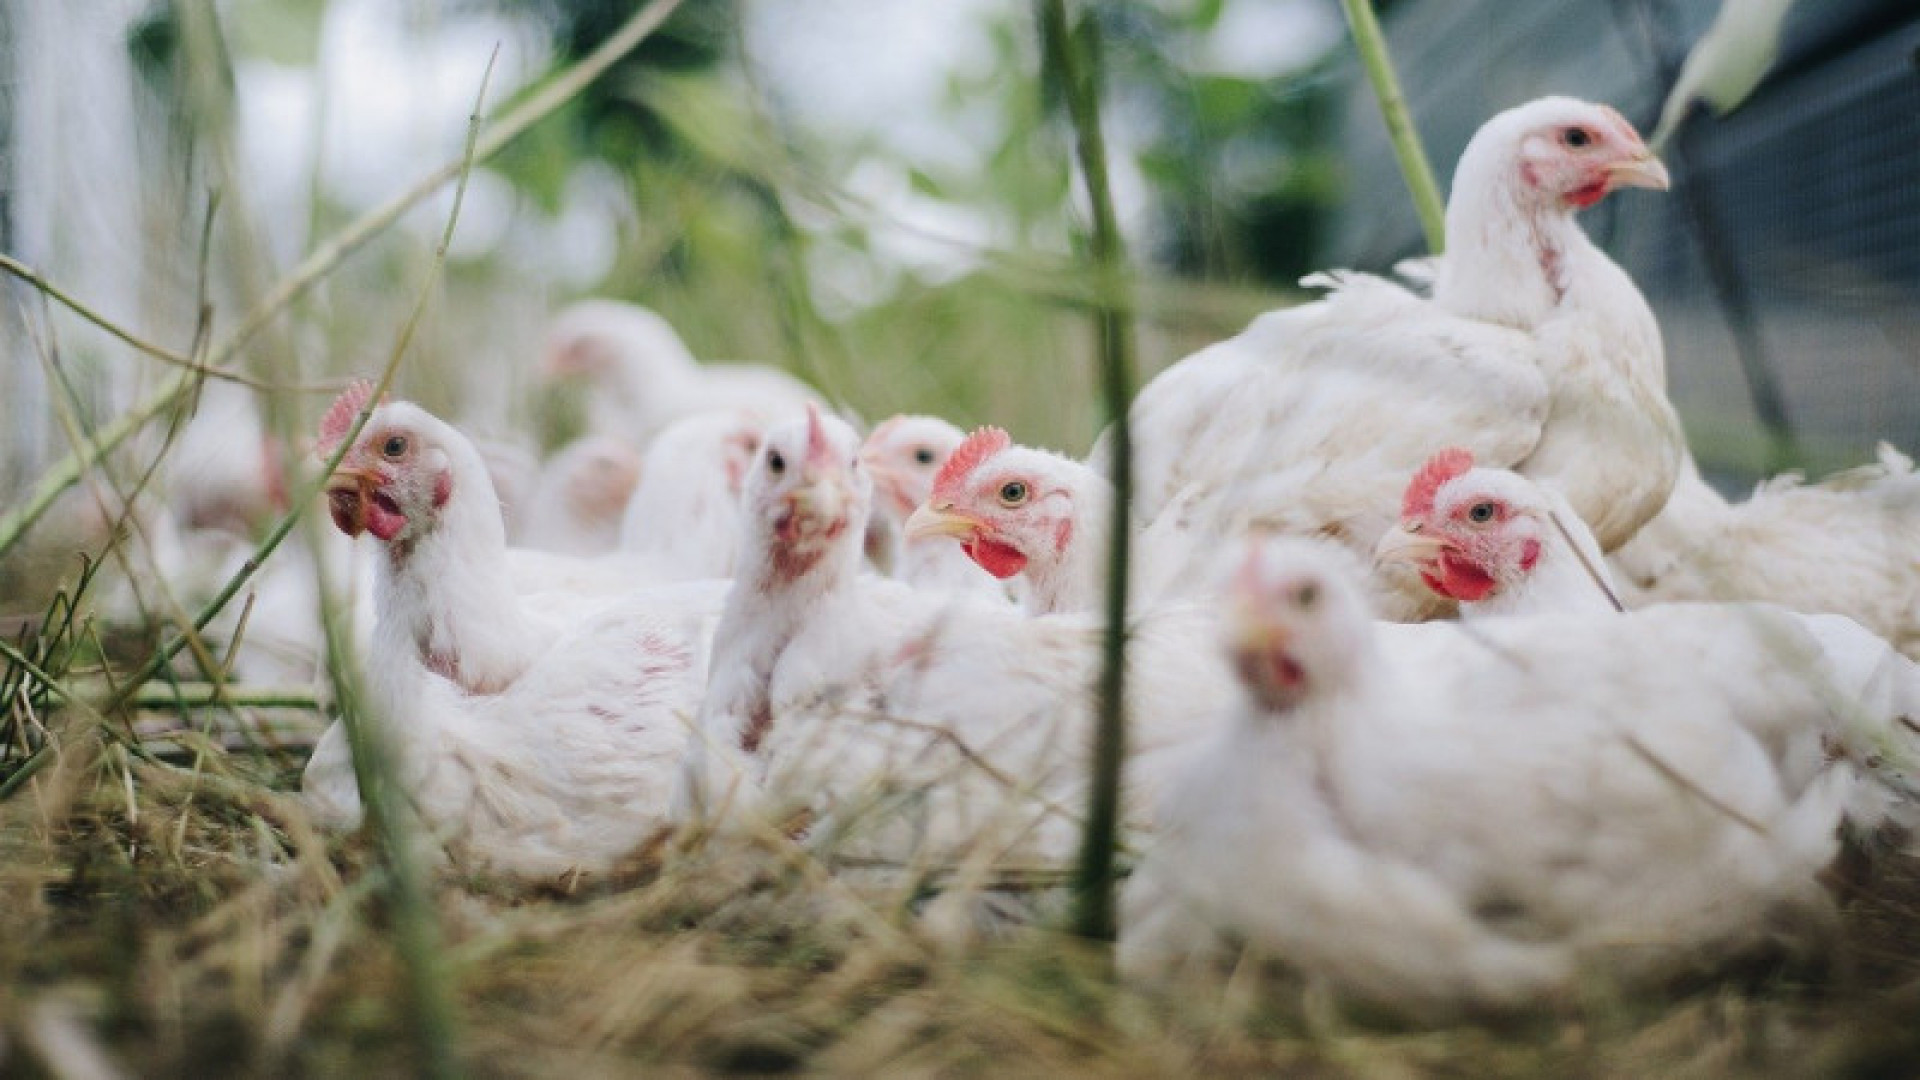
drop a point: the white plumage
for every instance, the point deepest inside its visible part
(685, 515)
(224, 468)
(957, 722)
(1497, 543)
(1849, 545)
(643, 377)
(1044, 520)
(533, 733)
(575, 505)
(904, 456)
(1503, 545)
(1535, 352)
(1432, 817)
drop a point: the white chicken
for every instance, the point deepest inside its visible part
(575, 506)
(282, 642)
(224, 468)
(1849, 545)
(1535, 352)
(533, 734)
(1039, 518)
(1503, 545)
(917, 725)
(1431, 817)
(643, 377)
(1496, 542)
(685, 515)
(905, 455)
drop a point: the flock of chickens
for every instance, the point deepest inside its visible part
(1449, 679)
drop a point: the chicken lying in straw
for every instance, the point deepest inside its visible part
(1535, 351)
(911, 724)
(1433, 817)
(533, 733)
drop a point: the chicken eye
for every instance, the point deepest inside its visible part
(1480, 513)
(1306, 596)
(775, 463)
(395, 446)
(924, 455)
(1013, 493)
(1576, 137)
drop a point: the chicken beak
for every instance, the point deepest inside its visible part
(1643, 170)
(1257, 636)
(817, 499)
(347, 492)
(1407, 546)
(930, 520)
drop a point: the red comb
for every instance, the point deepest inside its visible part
(1439, 469)
(976, 448)
(339, 418)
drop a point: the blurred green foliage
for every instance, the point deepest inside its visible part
(737, 208)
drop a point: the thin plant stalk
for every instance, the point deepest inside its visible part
(416, 923)
(66, 472)
(194, 695)
(1093, 914)
(1414, 165)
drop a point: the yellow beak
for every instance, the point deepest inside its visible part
(1403, 545)
(931, 520)
(1643, 171)
(348, 478)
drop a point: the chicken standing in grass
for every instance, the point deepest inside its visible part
(1431, 817)
(905, 455)
(535, 733)
(915, 724)
(1535, 352)
(643, 377)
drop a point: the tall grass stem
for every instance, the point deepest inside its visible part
(1414, 165)
(1074, 58)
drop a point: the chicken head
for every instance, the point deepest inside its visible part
(398, 474)
(807, 490)
(1572, 154)
(1011, 508)
(903, 455)
(1296, 623)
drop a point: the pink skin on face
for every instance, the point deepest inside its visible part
(1467, 550)
(804, 533)
(1590, 160)
(361, 494)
